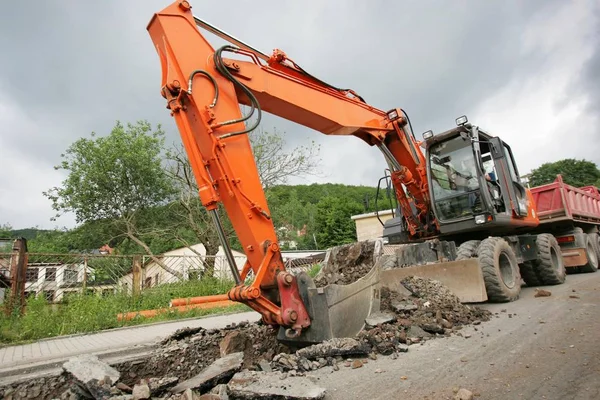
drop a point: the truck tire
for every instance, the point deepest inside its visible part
(596, 241)
(500, 270)
(591, 254)
(549, 266)
(528, 274)
(467, 249)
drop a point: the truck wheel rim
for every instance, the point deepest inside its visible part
(506, 270)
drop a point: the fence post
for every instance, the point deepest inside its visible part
(18, 273)
(136, 275)
(84, 280)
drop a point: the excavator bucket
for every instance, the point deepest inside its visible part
(464, 278)
(339, 303)
(338, 310)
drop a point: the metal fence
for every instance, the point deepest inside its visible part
(55, 276)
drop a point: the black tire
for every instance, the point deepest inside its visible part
(596, 241)
(549, 266)
(467, 249)
(500, 270)
(528, 274)
(591, 254)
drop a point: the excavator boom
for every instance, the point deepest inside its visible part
(204, 90)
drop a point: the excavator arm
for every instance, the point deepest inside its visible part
(204, 90)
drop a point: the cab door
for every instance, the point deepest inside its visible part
(508, 177)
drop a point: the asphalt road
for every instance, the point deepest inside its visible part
(534, 348)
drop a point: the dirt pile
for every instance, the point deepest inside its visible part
(186, 355)
(430, 310)
(347, 263)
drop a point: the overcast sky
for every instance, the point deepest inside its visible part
(526, 71)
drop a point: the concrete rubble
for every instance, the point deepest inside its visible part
(246, 361)
(334, 347)
(260, 385)
(218, 372)
(347, 264)
(93, 377)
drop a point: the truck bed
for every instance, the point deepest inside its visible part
(558, 201)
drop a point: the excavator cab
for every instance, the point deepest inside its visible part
(474, 183)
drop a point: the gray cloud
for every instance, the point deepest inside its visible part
(76, 67)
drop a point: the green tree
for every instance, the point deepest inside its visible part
(333, 223)
(115, 178)
(276, 164)
(56, 241)
(5, 231)
(574, 172)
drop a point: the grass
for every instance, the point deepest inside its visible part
(84, 313)
(314, 270)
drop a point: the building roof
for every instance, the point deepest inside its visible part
(371, 214)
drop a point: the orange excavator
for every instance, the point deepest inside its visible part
(465, 190)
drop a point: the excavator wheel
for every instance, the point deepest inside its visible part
(528, 274)
(467, 249)
(592, 255)
(549, 266)
(500, 270)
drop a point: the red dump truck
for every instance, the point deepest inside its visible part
(572, 215)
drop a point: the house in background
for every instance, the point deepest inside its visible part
(185, 263)
(189, 263)
(368, 226)
(54, 279)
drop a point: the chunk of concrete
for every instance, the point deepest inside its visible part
(404, 306)
(334, 347)
(218, 372)
(266, 386)
(380, 318)
(159, 385)
(221, 391)
(233, 342)
(141, 391)
(416, 332)
(91, 374)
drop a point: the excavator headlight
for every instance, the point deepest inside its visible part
(461, 120)
(427, 135)
(480, 219)
(392, 115)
